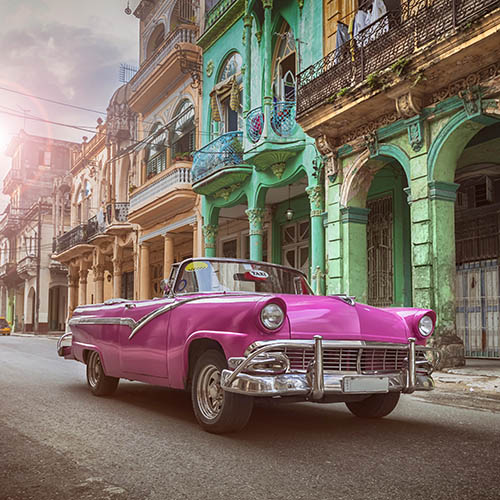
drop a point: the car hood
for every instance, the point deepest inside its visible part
(334, 319)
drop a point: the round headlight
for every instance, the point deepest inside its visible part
(272, 316)
(425, 326)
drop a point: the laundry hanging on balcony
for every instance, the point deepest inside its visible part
(369, 25)
(341, 37)
(221, 91)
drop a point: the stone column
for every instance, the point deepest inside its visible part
(82, 292)
(55, 213)
(267, 64)
(73, 277)
(247, 22)
(355, 257)
(117, 278)
(144, 273)
(195, 239)
(255, 217)
(168, 255)
(317, 238)
(442, 197)
(99, 283)
(210, 235)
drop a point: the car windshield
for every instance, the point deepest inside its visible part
(3, 323)
(231, 276)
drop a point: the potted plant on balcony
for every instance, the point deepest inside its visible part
(184, 156)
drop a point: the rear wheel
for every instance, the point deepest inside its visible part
(375, 406)
(99, 383)
(216, 410)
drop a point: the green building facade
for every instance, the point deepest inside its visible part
(259, 173)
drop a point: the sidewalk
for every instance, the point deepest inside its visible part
(48, 335)
(477, 375)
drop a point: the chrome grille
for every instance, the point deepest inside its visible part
(346, 359)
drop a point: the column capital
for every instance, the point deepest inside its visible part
(354, 215)
(256, 218)
(210, 234)
(267, 4)
(82, 273)
(98, 271)
(315, 194)
(446, 191)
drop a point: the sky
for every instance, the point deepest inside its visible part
(64, 50)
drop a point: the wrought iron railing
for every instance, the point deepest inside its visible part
(216, 12)
(182, 34)
(255, 124)
(71, 238)
(225, 151)
(121, 211)
(283, 118)
(395, 36)
(162, 185)
(26, 265)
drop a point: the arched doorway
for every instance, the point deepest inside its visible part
(388, 239)
(477, 243)
(30, 314)
(57, 308)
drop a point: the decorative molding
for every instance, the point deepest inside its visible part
(210, 235)
(371, 143)
(278, 169)
(407, 191)
(258, 35)
(190, 63)
(471, 80)
(471, 100)
(225, 193)
(367, 129)
(354, 215)
(267, 4)
(315, 194)
(408, 100)
(416, 133)
(446, 191)
(256, 218)
(301, 4)
(210, 68)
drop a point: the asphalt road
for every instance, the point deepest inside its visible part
(57, 441)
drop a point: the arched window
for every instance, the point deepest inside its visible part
(155, 40)
(285, 66)
(227, 108)
(182, 131)
(156, 153)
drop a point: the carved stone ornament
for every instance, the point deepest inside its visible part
(471, 99)
(278, 169)
(408, 105)
(267, 4)
(315, 194)
(416, 134)
(371, 143)
(210, 68)
(225, 193)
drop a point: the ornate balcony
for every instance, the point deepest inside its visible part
(284, 138)
(98, 225)
(219, 164)
(26, 268)
(73, 237)
(391, 39)
(177, 54)
(168, 192)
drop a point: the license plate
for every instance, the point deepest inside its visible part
(365, 384)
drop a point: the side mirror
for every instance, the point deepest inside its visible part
(165, 287)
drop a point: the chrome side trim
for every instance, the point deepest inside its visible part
(97, 320)
(158, 312)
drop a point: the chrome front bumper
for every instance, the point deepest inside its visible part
(315, 383)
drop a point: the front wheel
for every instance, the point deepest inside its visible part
(216, 410)
(375, 406)
(99, 383)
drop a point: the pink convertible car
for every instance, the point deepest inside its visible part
(234, 330)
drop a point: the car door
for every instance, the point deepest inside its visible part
(143, 350)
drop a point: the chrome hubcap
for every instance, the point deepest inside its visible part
(94, 369)
(209, 393)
